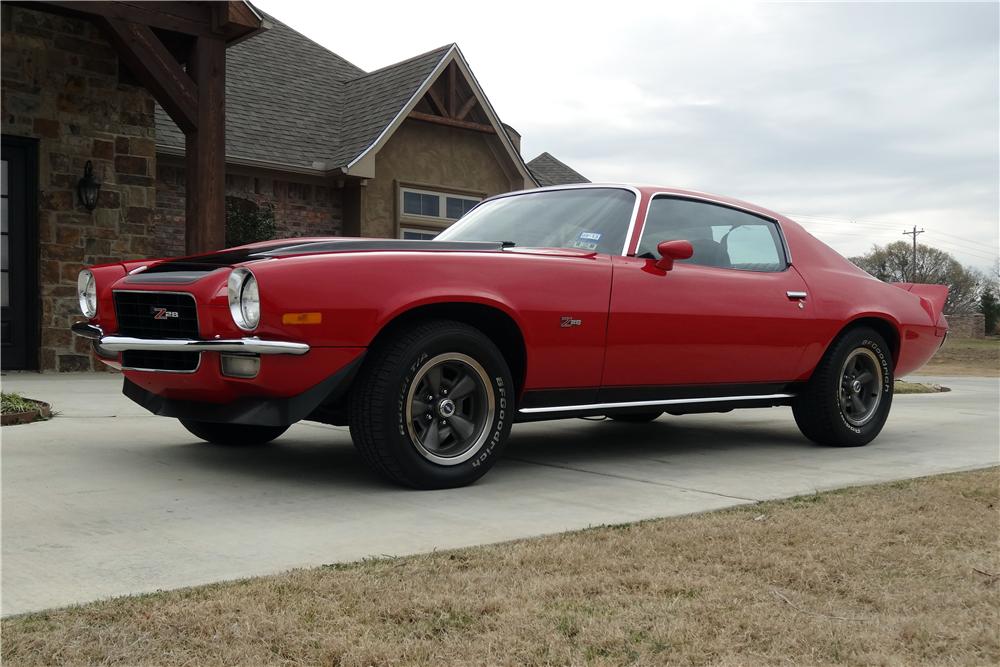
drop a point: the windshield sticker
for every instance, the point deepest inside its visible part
(587, 240)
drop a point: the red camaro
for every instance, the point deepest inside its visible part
(542, 304)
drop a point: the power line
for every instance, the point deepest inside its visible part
(963, 245)
(869, 223)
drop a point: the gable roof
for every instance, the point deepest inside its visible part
(293, 104)
(549, 171)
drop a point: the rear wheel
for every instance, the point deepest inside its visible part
(233, 434)
(432, 407)
(847, 401)
(637, 417)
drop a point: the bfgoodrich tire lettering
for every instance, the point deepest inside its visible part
(848, 398)
(403, 418)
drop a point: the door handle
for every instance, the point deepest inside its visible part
(796, 296)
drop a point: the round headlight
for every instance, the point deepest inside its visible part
(86, 289)
(244, 299)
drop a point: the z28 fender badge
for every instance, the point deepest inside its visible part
(567, 322)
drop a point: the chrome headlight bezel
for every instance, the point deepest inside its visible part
(244, 299)
(86, 291)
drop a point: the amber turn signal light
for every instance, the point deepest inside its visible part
(302, 318)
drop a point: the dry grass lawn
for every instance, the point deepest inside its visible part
(966, 356)
(898, 574)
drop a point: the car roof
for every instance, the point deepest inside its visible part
(647, 191)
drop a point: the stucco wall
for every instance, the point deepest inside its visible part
(302, 206)
(429, 155)
(60, 86)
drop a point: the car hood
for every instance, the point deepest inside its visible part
(312, 246)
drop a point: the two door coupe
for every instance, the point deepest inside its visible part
(542, 304)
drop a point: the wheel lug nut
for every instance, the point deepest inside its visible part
(444, 392)
(429, 417)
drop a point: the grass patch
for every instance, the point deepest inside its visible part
(11, 403)
(917, 388)
(966, 356)
(896, 574)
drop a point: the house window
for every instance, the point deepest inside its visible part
(423, 214)
(439, 206)
(417, 234)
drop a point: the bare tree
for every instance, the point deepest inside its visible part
(894, 263)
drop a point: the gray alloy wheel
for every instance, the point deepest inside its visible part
(860, 386)
(448, 407)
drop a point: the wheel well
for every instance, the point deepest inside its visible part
(884, 328)
(492, 322)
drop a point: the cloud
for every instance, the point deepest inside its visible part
(883, 112)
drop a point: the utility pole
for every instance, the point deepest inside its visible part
(913, 269)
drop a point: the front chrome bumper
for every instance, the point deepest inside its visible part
(245, 345)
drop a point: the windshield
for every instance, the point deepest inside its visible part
(588, 218)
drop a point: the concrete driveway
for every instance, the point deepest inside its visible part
(105, 500)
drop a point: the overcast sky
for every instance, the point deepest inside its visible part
(855, 119)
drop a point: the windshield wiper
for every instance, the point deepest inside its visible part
(507, 244)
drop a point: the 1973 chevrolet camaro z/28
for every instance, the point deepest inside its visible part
(543, 304)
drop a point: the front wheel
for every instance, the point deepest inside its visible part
(433, 405)
(233, 434)
(846, 402)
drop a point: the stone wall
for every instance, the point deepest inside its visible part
(303, 206)
(972, 325)
(60, 85)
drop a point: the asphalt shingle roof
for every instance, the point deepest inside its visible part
(291, 101)
(549, 171)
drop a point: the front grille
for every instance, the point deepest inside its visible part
(156, 315)
(178, 362)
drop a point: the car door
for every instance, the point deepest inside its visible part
(735, 313)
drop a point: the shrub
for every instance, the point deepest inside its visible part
(247, 222)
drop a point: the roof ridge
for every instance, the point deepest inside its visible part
(446, 48)
(309, 39)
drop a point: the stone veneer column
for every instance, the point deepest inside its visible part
(61, 86)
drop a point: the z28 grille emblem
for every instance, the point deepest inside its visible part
(164, 314)
(567, 322)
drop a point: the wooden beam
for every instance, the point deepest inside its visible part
(466, 108)
(205, 155)
(452, 89)
(436, 101)
(150, 61)
(189, 18)
(233, 14)
(452, 122)
(146, 13)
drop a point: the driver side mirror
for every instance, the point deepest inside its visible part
(672, 250)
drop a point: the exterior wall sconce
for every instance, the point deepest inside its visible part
(88, 187)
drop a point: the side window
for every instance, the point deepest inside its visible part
(722, 237)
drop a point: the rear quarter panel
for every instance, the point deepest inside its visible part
(840, 293)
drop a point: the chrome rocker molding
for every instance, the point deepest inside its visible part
(247, 345)
(643, 404)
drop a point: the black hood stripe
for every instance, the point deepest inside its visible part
(209, 262)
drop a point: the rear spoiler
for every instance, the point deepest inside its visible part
(932, 297)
